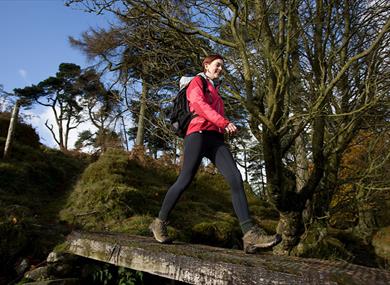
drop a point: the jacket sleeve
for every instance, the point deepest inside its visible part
(200, 105)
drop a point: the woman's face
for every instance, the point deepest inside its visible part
(213, 70)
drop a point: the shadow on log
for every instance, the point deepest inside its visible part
(200, 264)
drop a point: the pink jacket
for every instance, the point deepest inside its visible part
(209, 108)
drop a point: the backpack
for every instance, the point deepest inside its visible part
(180, 116)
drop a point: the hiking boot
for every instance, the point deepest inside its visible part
(257, 238)
(159, 230)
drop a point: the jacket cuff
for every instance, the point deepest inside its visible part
(223, 123)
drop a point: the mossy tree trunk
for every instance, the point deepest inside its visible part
(367, 223)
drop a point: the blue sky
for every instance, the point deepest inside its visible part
(34, 41)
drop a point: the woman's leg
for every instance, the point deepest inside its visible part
(222, 158)
(193, 153)
(254, 237)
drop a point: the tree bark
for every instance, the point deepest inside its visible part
(124, 134)
(367, 223)
(11, 130)
(141, 118)
(301, 164)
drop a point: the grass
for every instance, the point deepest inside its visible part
(119, 194)
(45, 193)
(34, 184)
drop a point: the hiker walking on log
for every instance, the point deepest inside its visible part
(204, 138)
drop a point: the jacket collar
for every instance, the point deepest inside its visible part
(216, 82)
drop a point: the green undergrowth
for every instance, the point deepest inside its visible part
(120, 194)
(45, 193)
(33, 187)
(32, 176)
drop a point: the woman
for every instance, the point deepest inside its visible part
(204, 138)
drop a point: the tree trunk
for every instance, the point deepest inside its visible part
(125, 134)
(290, 227)
(326, 188)
(246, 165)
(11, 130)
(141, 119)
(283, 195)
(301, 164)
(367, 223)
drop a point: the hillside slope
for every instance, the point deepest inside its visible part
(119, 194)
(34, 184)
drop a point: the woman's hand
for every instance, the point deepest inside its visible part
(231, 128)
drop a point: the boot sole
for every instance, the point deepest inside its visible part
(252, 248)
(167, 241)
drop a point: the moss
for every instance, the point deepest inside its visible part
(317, 243)
(268, 225)
(136, 225)
(216, 194)
(14, 240)
(116, 193)
(32, 171)
(61, 247)
(33, 184)
(213, 233)
(263, 211)
(381, 243)
(222, 230)
(24, 134)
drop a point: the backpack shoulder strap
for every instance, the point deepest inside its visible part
(204, 83)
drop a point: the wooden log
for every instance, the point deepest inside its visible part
(200, 264)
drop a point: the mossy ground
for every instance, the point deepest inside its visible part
(45, 193)
(34, 184)
(120, 194)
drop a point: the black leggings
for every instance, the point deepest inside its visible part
(211, 145)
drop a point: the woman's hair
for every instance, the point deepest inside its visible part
(210, 59)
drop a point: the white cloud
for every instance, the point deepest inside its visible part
(38, 117)
(23, 73)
